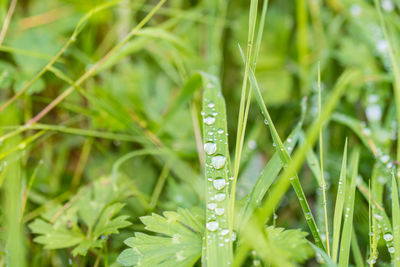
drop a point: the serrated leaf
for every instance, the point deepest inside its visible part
(179, 244)
(106, 225)
(93, 207)
(93, 201)
(291, 243)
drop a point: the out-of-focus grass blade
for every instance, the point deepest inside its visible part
(285, 158)
(11, 203)
(392, 49)
(348, 212)
(355, 248)
(327, 260)
(190, 87)
(313, 164)
(340, 198)
(396, 223)
(358, 128)
(218, 237)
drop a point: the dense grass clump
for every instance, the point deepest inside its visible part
(199, 133)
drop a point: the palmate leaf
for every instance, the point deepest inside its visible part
(291, 243)
(93, 206)
(178, 245)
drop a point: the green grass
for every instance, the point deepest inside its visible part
(139, 133)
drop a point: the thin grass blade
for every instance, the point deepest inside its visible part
(396, 223)
(340, 199)
(348, 212)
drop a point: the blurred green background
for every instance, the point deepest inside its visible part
(133, 103)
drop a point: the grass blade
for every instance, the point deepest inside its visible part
(244, 105)
(340, 198)
(355, 248)
(396, 222)
(217, 172)
(267, 177)
(285, 158)
(348, 212)
(267, 208)
(321, 157)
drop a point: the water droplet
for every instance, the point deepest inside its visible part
(355, 10)
(209, 120)
(385, 158)
(391, 250)
(212, 226)
(252, 144)
(266, 122)
(224, 231)
(220, 131)
(233, 236)
(219, 211)
(289, 140)
(366, 131)
(373, 98)
(179, 256)
(212, 206)
(388, 237)
(218, 162)
(210, 148)
(176, 239)
(374, 112)
(219, 184)
(220, 197)
(387, 5)
(256, 262)
(211, 104)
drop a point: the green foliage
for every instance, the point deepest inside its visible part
(291, 243)
(95, 206)
(178, 243)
